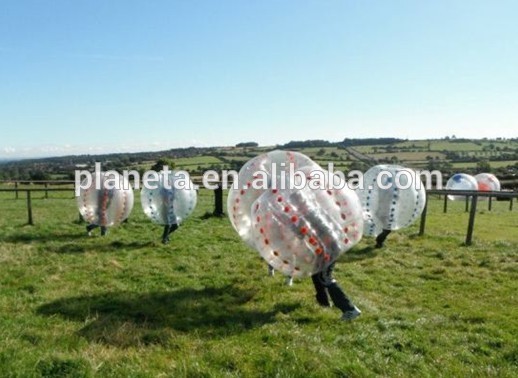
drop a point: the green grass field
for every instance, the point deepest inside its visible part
(125, 305)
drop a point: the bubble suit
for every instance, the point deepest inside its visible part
(487, 182)
(108, 202)
(396, 204)
(299, 231)
(461, 181)
(271, 165)
(172, 199)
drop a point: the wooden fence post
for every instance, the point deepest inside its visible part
(467, 204)
(490, 203)
(46, 191)
(218, 200)
(423, 218)
(445, 207)
(29, 208)
(511, 204)
(16, 189)
(471, 222)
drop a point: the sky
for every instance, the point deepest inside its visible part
(97, 76)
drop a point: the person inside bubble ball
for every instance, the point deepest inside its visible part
(326, 287)
(104, 200)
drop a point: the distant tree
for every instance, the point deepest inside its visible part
(39, 175)
(321, 152)
(369, 141)
(358, 165)
(483, 166)
(247, 144)
(159, 165)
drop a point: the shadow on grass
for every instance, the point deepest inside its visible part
(129, 319)
(43, 237)
(356, 254)
(75, 242)
(76, 247)
(209, 215)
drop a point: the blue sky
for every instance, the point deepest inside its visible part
(124, 75)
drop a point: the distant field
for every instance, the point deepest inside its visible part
(454, 146)
(198, 160)
(493, 164)
(413, 156)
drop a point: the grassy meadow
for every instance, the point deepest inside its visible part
(125, 305)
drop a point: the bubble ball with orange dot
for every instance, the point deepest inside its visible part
(392, 197)
(107, 201)
(296, 215)
(170, 199)
(487, 182)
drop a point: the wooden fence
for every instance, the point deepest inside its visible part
(471, 200)
(472, 197)
(218, 194)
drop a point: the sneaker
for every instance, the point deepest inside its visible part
(271, 271)
(351, 314)
(289, 281)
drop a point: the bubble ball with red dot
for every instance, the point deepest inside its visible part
(487, 182)
(255, 178)
(169, 200)
(108, 201)
(299, 229)
(392, 197)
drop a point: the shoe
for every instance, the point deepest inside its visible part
(271, 271)
(289, 281)
(89, 229)
(351, 314)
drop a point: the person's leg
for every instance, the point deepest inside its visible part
(320, 289)
(336, 293)
(165, 234)
(89, 228)
(380, 239)
(271, 271)
(172, 228)
(104, 230)
(168, 230)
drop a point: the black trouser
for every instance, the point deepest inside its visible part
(168, 230)
(324, 285)
(91, 226)
(380, 239)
